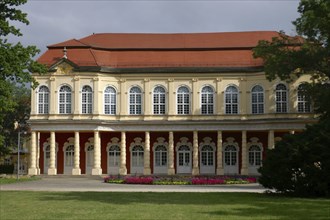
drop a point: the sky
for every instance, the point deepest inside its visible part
(54, 21)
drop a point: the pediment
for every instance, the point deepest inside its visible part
(63, 67)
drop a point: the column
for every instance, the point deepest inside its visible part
(76, 168)
(271, 142)
(220, 170)
(147, 170)
(97, 170)
(244, 168)
(195, 170)
(52, 169)
(292, 131)
(170, 168)
(123, 169)
(33, 167)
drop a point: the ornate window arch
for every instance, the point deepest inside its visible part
(255, 151)
(257, 99)
(113, 149)
(160, 149)
(281, 98)
(183, 100)
(110, 100)
(159, 100)
(68, 150)
(304, 106)
(231, 149)
(135, 101)
(65, 100)
(231, 100)
(43, 100)
(207, 149)
(87, 100)
(137, 155)
(89, 151)
(207, 100)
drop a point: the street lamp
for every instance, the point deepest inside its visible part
(17, 127)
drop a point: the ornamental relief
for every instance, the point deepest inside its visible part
(64, 69)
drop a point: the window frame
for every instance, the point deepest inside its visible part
(67, 105)
(43, 104)
(87, 105)
(231, 104)
(184, 104)
(258, 103)
(135, 105)
(281, 99)
(112, 104)
(159, 104)
(210, 108)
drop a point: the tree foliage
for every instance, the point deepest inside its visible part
(300, 163)
(16, 62)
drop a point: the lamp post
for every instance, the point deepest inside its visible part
(16, 125)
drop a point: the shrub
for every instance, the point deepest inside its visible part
(300, 163)
(7, 169)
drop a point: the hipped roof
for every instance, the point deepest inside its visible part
(230, 49)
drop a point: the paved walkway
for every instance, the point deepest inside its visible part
(96, 184)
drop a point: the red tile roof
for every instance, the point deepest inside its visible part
(232, 49)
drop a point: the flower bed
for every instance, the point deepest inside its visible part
(180, 180)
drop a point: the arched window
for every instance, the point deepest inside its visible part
(160, 156)
(257, 98)
(87, 100)
(255, 155)
(207, 158)
(304, 105)
(90, 156)
(230, 155)
(137, 156)
(207, 100)
(231, 100)
(281, 98)
(43, 100)
(114, 155)
(65, 100)
(110, 101)
(135, 101)
(183, 101)
(69, 155)
(159, 99)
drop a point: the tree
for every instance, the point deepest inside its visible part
(16, 62)
(300, 164)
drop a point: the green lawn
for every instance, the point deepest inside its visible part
(117, 205)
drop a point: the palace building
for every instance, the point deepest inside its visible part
(153, 104)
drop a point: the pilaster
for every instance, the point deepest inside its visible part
(147, 97)
(77, 93)
(96, 107)
(171, 97)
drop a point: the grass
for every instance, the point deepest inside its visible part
(119, 205)
(13, 179)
